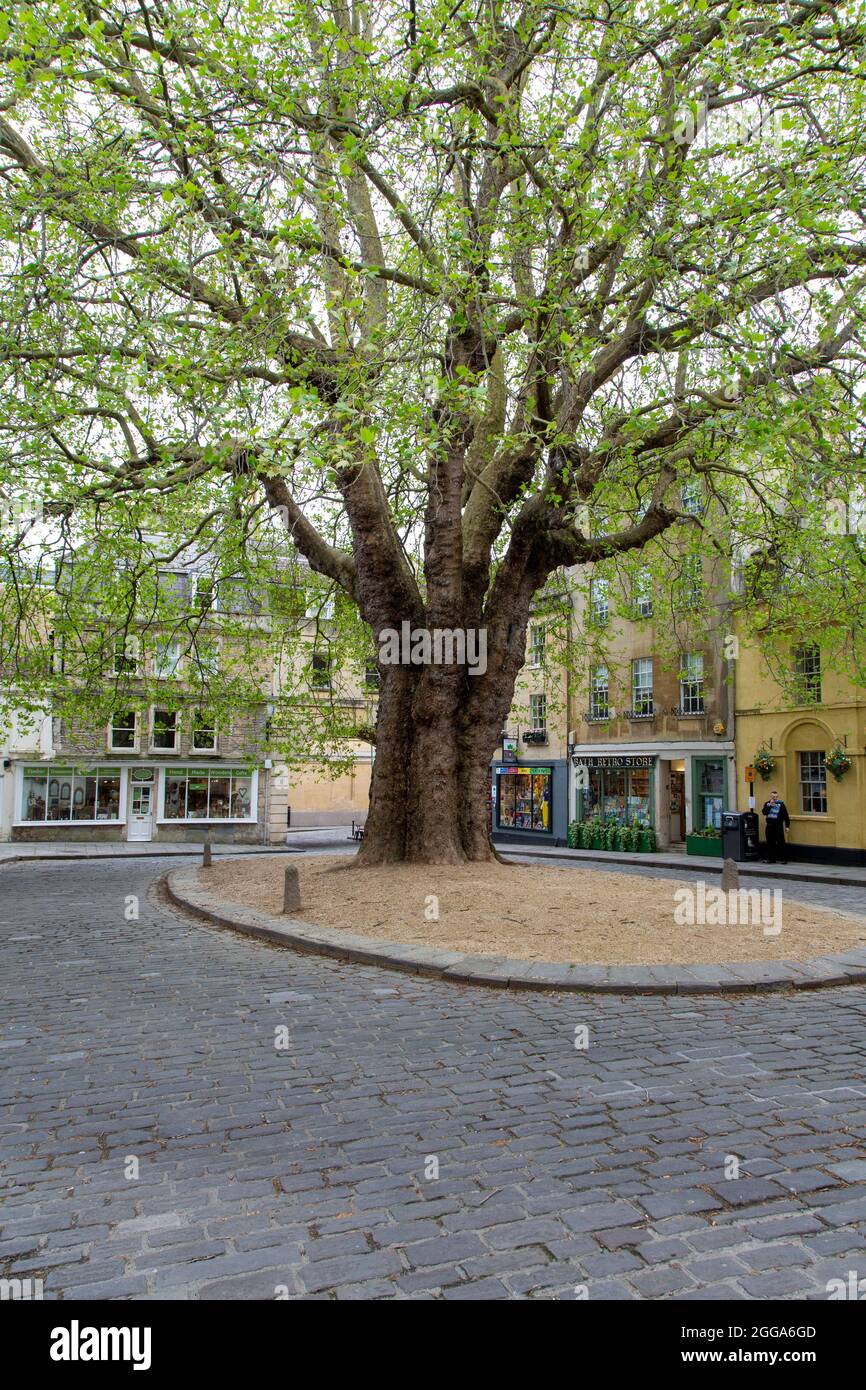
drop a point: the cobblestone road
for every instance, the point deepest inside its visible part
(309, 1169)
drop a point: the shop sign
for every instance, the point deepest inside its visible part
(531, 771)
(615, 763)
(509, 750)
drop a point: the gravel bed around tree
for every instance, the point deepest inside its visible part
(580, 916)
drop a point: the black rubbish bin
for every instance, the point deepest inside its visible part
(740, 835)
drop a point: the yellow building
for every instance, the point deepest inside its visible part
(807, 720)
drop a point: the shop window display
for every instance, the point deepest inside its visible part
(620, 794)
(70, 794)
(524, 799)
(208, 794)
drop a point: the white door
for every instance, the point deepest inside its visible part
(139, 824)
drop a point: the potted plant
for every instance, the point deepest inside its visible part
(765, 763)
(646, 840)
(838, 762)
(707, 842)
(572, 836)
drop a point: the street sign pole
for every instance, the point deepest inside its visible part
(750, 779)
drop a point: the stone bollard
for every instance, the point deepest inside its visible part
(291, 891)
(206, 855)
(730, 877)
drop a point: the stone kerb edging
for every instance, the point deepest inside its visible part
(847, 968)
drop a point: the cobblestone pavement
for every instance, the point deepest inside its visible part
(310, 1169)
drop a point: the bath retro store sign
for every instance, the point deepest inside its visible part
(615, 763)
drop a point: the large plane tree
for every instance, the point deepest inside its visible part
(463, 290)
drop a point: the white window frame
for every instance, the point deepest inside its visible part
(194, 655)
(178, 574)
(812, 782)
(599, 613)
(136, 735)
(173, 674)
(691, 583)
(692, 496)
(534, 721)
(596, 685)
(692, 688)
(327, 683)
(152, 746)
(808, 683)
(131, 652)
(640, 688)
(643, 595)
(537, 644)
(193, 746)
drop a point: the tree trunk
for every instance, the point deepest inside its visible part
(437, 729)
(430, 790)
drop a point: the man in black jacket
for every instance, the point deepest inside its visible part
(777, 818)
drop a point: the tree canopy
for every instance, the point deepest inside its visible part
(434, 286)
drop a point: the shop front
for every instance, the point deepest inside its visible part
(529, 802)
(122, 801)
(618, 787)
(674, 789)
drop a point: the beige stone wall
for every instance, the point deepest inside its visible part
(315, 799)
(241, 739)
(627, 641)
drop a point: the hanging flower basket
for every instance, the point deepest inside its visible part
(765, 763)
(838, 762)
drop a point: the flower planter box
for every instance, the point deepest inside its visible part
(702, 844)
(645, 843)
